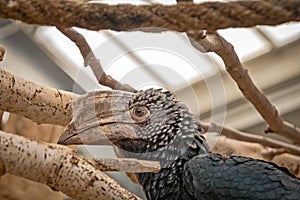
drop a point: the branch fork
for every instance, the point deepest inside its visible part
(213, 42)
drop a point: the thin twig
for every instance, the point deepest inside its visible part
(126, 165)
(231, 147)
(242, 136)
(181, 17)
(213, 42)
(91, 60)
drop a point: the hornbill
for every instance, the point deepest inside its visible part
(153, 125)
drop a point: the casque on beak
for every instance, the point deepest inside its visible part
(100, 118)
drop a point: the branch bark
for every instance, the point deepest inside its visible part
(181, 17)
(39, 103)
(58, 167)
(126, 165)
(241, 136)
(229, 147)
(59, 115)
(63, 117)
(91, 60)
(213, 42)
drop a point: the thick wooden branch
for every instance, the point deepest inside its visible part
(247, 137)
(213, 42)
(91, 60)
(63, 117)
(229, 147)
(59, 167)
(36, 102)
(181, 17)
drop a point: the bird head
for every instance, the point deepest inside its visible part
(143, 122)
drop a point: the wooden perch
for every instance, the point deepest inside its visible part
(181, 17)
(63, 117)
(213, 42)
(127, 165)
(91, 60)
(241, 136)
(36, 102)
(229, 147)
(59, 167)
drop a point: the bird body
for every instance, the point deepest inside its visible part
(168, 182)
(153, 125)
(213, 177)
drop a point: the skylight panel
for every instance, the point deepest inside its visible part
(247, 43)
(282, 34)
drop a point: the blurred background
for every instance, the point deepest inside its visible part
(143, 60)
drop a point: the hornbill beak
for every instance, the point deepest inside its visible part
(102, 118)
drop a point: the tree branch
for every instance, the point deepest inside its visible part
(126, 165)
(229, 147)
(181, 17)
(91, 60)
(2, 52)
(213, 42)
(58, 167)
(241, 136)
(63, 116)
(39, 103)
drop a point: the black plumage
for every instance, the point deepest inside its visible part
(155, 126)
(212, 177)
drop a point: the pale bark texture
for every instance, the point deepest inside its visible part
(58, 167)
(242, 136)
(280, 156)
(16, 187)
(126, 165)
(22, 126)
(36, 102)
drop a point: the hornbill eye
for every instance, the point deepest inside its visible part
(140, 114)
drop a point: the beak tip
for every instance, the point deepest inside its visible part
(61, 141)
(67, 138)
